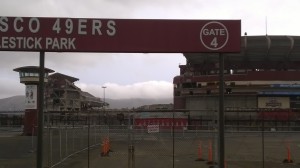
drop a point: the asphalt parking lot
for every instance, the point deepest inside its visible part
(242, 150)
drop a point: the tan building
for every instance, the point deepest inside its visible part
(61, 94)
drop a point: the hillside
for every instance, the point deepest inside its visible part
(17, 103)
(130, 103)
(14, 103)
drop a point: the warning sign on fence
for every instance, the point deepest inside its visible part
(153, 128)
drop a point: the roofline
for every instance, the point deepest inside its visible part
(32, 69)
(57, 73)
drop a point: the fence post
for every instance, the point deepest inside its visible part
(73, 139)
(51, 157)
(67, 141)
(49, 145)
(95, 134)
(131, 159)
(60, 155)
(32, 139)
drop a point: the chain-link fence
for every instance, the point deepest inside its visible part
(133, 146)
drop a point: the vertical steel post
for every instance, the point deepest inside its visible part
(51, 151)
(131, 156)
(66, 141)
(221, 112)
(40, 111)
(263, 138)
(88, 143)
(173, 143)
(60, 145)
(129, 142)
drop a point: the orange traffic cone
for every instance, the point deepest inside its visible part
(210, 154)
(105, 147)
(200, 152)
(288, 159)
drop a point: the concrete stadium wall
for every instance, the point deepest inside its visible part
(207, 104)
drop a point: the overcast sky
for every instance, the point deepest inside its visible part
(129, 75)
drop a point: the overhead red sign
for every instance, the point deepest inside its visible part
(118, 35)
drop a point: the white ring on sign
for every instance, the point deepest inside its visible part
(217, 48)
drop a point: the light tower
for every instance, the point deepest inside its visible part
(105, 115)
(104, 87)
(29, 75)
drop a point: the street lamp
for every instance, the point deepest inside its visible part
(105, 116)
(104, 87)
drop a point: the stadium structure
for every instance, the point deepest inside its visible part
(262, 83)
(62, 99)
(63, 95)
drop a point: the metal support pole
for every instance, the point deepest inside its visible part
(173, 143)
(221, 112)
(88, 140)
(131, 156)
(40, 111)
(263, 138)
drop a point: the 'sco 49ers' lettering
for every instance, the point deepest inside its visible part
(60, 26)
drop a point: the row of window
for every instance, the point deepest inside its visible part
(232, 71)
(200, 84)
(31, 74)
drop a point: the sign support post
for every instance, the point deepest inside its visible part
(221, 112)
(40, 111)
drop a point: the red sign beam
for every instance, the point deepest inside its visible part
(118, 35)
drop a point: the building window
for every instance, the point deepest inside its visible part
(189, 85)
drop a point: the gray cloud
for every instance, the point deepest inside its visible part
(150, 89)
(11, 87)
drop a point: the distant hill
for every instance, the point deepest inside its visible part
(137, 102)
(17, 103)
(14, 103)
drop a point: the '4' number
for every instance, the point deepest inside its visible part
(214, 42)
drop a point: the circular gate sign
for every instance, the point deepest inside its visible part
(214, 35)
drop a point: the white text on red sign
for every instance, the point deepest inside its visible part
(33, 26)
(67, 27)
